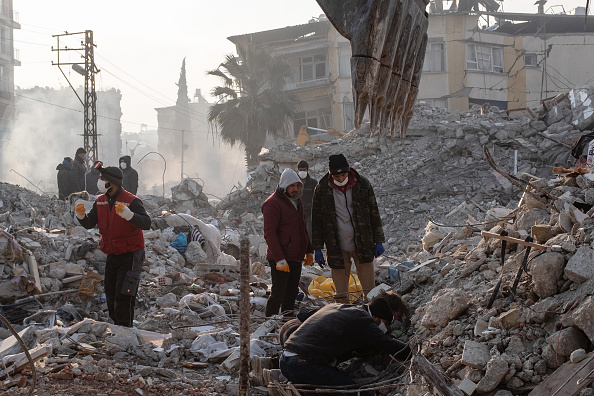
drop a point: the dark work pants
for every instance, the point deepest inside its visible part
(299, 371)
(285, 287)
(121, 306)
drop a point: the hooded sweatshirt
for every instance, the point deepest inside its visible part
(285, 231)
(288, 177)
(130, 182)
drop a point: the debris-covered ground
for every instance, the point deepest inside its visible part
(437, 195)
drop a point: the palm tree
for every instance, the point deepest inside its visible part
(251, 100)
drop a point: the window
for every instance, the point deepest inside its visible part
(313, 67)
(344, 61)
(484, 58)
(530, 59)
(4, 79)
(321, 118)
(348, 109)
(434, 58)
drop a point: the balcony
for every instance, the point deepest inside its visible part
(319, 82)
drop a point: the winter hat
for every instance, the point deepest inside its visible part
(80, 150)
(112, 174)
(338, 164)
(380, 308)
(302, 164)
(67, 161)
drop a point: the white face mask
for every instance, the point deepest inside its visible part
(383, 327)
(303, 174)
(101, 186)
(342, 183)
(123, 165)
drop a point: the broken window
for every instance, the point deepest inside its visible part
(320, 118)
(530, 59)
(348, 110)
(484, 58)
(313, 67)
(434, 58)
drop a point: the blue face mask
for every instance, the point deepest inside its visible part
(85, 157)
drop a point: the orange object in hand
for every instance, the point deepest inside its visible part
(309, 259)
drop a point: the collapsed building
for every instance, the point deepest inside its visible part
(445, 193)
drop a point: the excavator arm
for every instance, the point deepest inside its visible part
(388, 41)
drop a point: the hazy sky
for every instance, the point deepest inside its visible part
(141, 44)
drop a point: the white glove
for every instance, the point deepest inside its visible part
(124, 212)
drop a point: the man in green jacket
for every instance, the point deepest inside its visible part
(346, 219)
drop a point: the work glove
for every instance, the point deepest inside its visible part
(379, 249)
(124, 212)
(309, 259)
(282, 265)
(80, 210)
(320, 258)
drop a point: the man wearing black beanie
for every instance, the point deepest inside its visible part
(346, 219)
(121, 217)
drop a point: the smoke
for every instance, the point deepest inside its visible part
(49, 126)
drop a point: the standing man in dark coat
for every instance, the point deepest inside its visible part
(285, 233)
(346, 219)
(64, 179)
(121, 217)
(130, 174)
(91, 179)
(79, 169)
(309, 185)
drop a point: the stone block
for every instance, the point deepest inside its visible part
(579, 268)
(582, 317)
(542, 232)
(546, 270)
(496, 369)
(567, 340)
(509, 319)
(168, 300)
(11, 346)
(444, 307)
(467, 386)
(475, 355)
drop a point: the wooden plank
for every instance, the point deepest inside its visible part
(487, 234)
(434, 376)
(565, 381)
(36, 354)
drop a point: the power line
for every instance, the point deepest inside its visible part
(105, 117)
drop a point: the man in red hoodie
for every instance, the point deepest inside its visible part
(288, 242)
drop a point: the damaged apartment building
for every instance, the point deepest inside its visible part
(475, 55)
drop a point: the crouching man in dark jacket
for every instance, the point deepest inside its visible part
(121, 217)
(335, 333)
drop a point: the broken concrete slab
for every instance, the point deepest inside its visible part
(11, 346)
(582, 317)
(567, 340)
(579, 268)
(475, 354)
(444, 307)
(546, 270)
(496, 369)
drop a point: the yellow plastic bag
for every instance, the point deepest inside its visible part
(324, 287)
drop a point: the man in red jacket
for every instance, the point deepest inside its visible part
(288, 242)
(121, 217)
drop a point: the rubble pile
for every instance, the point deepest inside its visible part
(437, 195)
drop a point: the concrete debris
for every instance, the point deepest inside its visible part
(436, 193)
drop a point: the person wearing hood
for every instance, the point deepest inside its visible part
(121, 217)
(346, 218)
(91, 179)
(130, 174)
(64, 179)
(79, 169)
(288, 243)
(309, 185)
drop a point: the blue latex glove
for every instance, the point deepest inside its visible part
(320, 258)
(379, 249)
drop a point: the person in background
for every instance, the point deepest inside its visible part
(130, 174)
(64, 178)
(288, 242)
(309, 184)
(91, 179)
(121, 217)
(346, 218)
(79, 169)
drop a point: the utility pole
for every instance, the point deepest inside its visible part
(90, 97)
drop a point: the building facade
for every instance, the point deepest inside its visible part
(320, 59)
(9, 58)
(508, 60)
